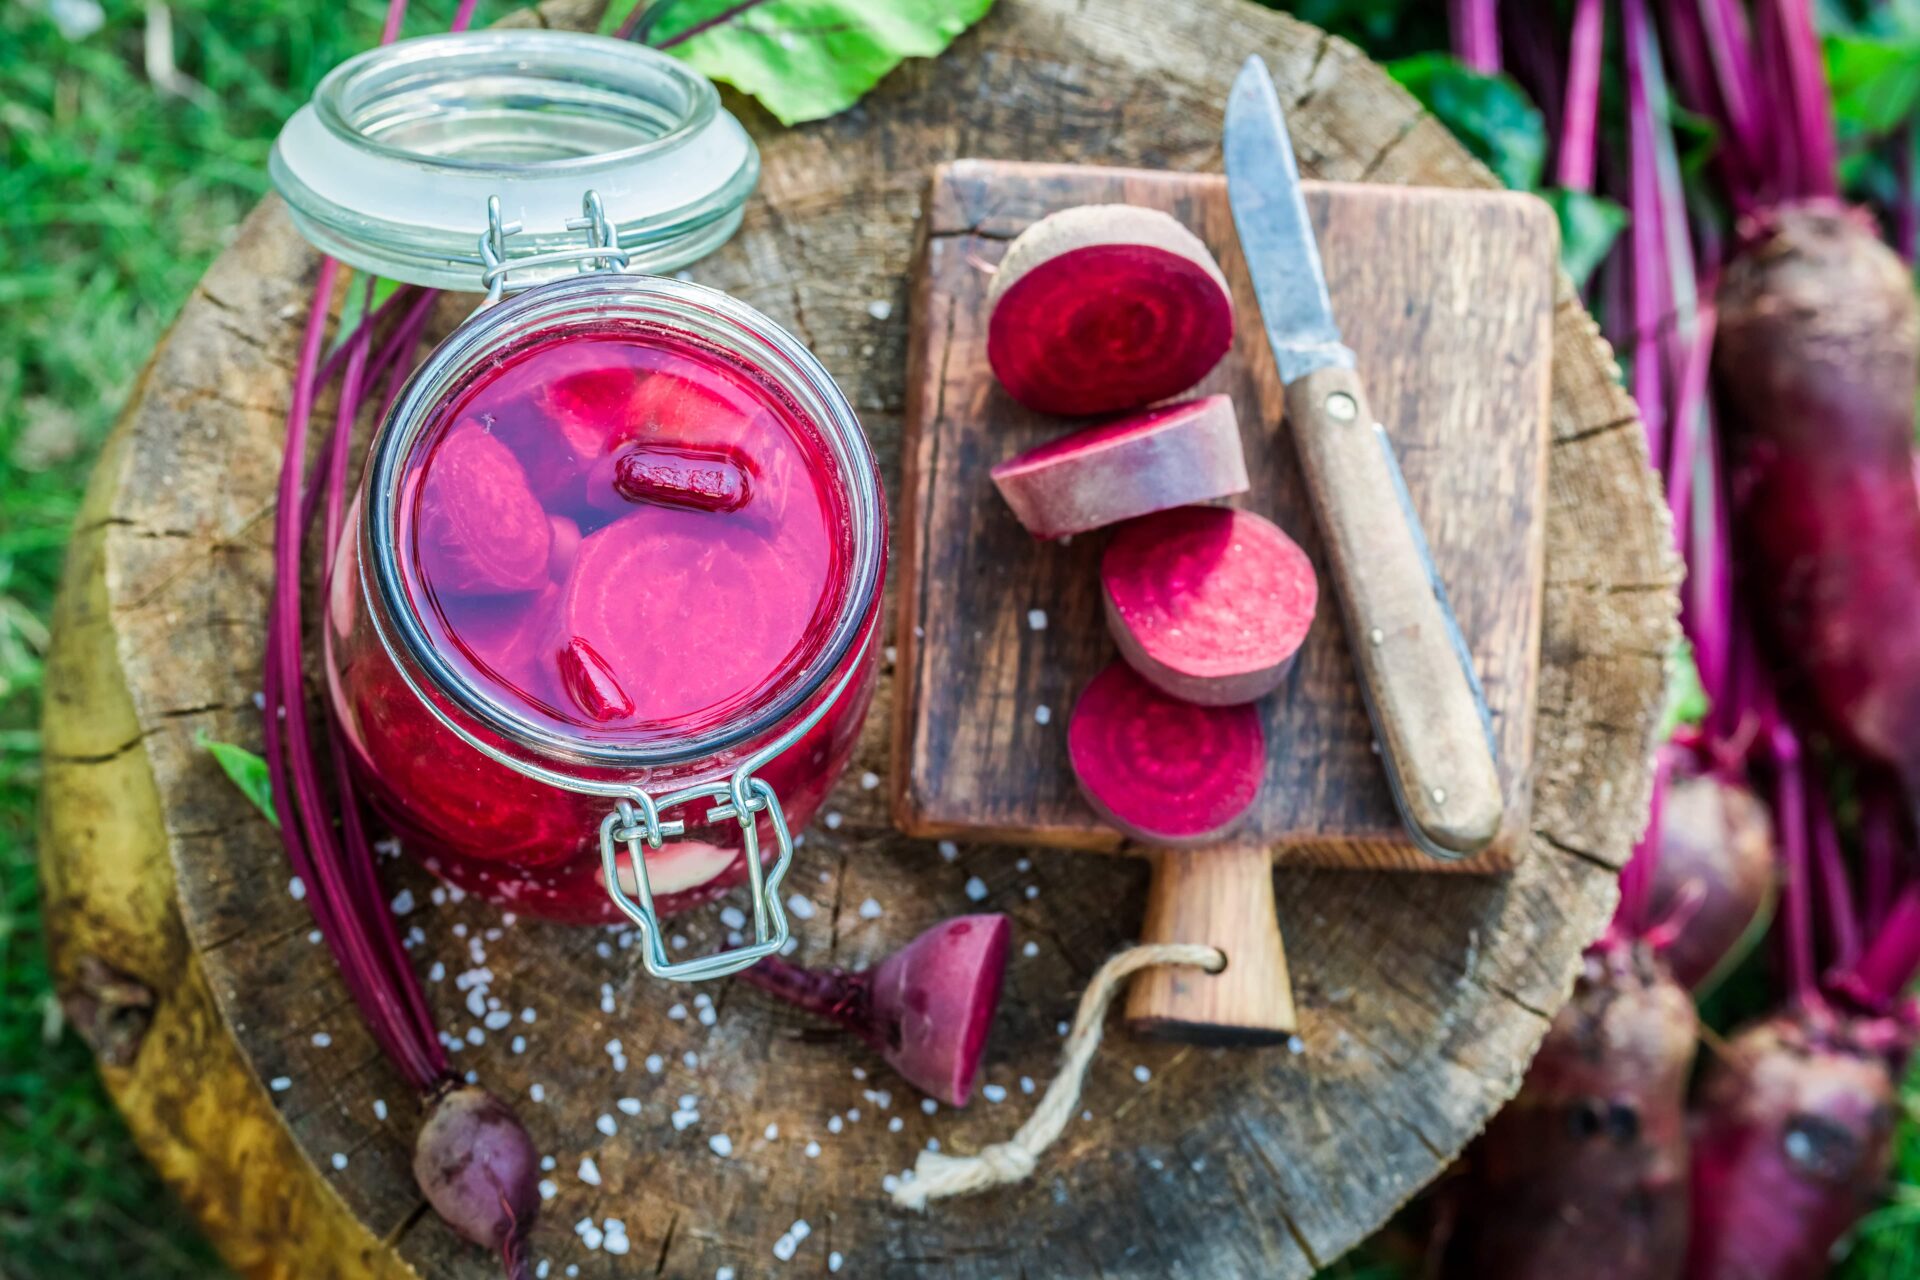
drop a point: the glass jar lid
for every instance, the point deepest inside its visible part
(391, 166)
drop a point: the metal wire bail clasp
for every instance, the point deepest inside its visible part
(636, 824)
(601, 252)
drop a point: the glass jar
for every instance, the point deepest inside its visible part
(604, 627)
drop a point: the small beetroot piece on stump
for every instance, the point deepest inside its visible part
(476, 1166)
(479, 528)
(1714, 879)
(1792, 1136)
(1165, 457)
(926, 1009)
(1160, 769)
(1584, 1173)
(1106, 307)
(1208, 603)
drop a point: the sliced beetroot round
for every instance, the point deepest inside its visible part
(1160, 769)
(1166, 457)
(479, 529)
(1208, 603)
(650, 591)
(1106, 307)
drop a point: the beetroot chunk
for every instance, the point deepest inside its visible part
(1585, 1172)
(1160, 769)
(480, 529)
(693, 477)
(1792, 1138)
(1106, 307)
(1208, 603)
(1165, 457)
(1714, 878)
(926, 1009)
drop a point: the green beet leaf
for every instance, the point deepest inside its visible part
(803, 59)
(245, 770)
(1875, 81)
(1589, 225)
(1490, 114)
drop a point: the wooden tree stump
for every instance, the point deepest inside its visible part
(185, 959)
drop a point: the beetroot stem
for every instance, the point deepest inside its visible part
(1798, 890)
(1892, 960)
(1580, 112)
(833, 994)
(1476, 34)
(1843, 920)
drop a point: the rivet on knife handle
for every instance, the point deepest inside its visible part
(1413, 671)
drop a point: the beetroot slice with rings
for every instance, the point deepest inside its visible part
(682, 615)
(1165, 457)
(480, 530)
(1161, 770)
(1208, 603)
(1106, 307)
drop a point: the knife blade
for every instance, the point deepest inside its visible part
(1415, 671)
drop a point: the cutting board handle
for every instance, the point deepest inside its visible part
(1222, 897)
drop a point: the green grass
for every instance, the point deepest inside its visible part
(114, 196)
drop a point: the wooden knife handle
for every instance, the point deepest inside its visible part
(1222, 897)
(1418, 691)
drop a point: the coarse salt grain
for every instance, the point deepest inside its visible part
(402, 902)
(976, 888)
(677, 1012)
(297, 888)
(733, 917)
(629, 1106)
(993, 1093)
(802, 908)
(949, 850)
(721, 1145)
(834, 1260)
(895, 1125)
(519, 1044)
(1043, 714)
(379, 1108)
(813, 1149)
(870, 910)
(1030, 950)
(280, 1084)
(607, 1125)
(772, 1132)
(321, 1039)
(339, 1160)
(549, 1188)
(589, 1171)
(655, 1063)
(929, 1106)
(869, 781)
(1026, 1084)
(835, 1124)
(833, 819)
(1037, 619)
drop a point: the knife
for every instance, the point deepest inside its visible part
(1416, 676)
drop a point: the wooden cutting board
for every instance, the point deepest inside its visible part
(1446, 298)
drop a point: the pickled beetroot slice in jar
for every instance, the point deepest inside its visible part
(688, 615)
(479, 529)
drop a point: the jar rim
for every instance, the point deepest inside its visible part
(672, 303)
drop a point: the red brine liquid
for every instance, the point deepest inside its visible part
(626, 539)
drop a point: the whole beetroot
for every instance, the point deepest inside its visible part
(1818, 357)
(477, 1168)
(1792, 1136)
(1714, 880)
(1584, 1173)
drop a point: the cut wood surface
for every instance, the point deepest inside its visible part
(1447, 300)
(228, 1040)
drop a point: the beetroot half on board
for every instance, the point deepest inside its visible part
(1106, 307)
(1162, 770)
(480, 530)
(1208, 603)
(1166, 457)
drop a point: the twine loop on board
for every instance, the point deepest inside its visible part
(937, 1175)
